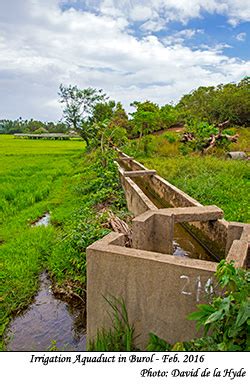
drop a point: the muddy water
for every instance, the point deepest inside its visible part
(44, 220)
(184, 243)
(47, 319)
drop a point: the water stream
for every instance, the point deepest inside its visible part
(48, 318)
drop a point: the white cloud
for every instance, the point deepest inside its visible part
(241, 36)
(140, 13)
(180, 10)
(41, 47)
(180, 36)
(153, 25)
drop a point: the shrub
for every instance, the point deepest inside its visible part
(228, 315)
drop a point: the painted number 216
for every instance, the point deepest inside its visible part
(208, 287)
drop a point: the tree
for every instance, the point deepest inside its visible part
(103, 111)
(169, 115)
(12, 126)
(217, 104)
(120, 118)
(79, 106)
(146, 118)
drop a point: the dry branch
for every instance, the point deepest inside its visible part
(120, 226)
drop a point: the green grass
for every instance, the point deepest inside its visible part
(118, 338)
(57, 177)
(209, 180)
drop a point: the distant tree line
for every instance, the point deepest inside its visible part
(31, 126)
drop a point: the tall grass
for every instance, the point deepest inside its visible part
(118, 338)
(60, 178)
(210, 180)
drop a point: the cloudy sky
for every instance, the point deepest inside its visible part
(133, 49)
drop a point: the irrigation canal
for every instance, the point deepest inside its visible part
(50, 318)
(184, 244)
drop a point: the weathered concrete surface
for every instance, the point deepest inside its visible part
(245, 236)
(239, 253)
(246, 232)
(237, 155)
(137, 201)
(234, 232)
(238, 243)
(159, 290)
(213, 234)
(153, 232)
(148, 172)
(191, 214)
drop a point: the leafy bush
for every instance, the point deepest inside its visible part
(228, 315)
(156, 344)
(170, 137)
(217, 104)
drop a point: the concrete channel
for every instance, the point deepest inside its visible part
(160, 287)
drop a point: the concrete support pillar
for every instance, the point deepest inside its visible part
(153, 232)
(164, 234)
(143, 231)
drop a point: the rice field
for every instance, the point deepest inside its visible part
(37, 177)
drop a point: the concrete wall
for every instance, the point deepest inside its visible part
(137, 201)
(212, 234)
(159, 290)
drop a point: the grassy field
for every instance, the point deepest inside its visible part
(211, 179)
(59, 177)
(56, 177)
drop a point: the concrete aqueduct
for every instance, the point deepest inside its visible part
(159, 288)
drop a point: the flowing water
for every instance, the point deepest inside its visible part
(48, 318)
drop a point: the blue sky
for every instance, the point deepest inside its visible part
(133, 49)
